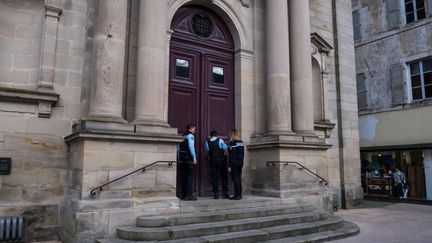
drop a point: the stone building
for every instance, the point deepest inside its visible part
(393, 46)
(91, 90)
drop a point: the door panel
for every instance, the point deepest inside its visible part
(182, 107)
(183, 98)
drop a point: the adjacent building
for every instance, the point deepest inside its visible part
(393, 46)
(92, 90)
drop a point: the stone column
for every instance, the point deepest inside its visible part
(278, 70)
(109, 45)
(301, 66)
(150, 96)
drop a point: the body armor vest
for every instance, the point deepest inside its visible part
(215, 153)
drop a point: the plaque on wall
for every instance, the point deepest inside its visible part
(5, 166)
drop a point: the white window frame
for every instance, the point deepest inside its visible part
(414, 9)
(409, 84)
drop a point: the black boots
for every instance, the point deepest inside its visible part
(235, 197)
(189, 198)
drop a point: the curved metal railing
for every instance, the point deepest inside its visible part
(322, 180)
(142, 169)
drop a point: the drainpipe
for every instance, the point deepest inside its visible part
(339, 106)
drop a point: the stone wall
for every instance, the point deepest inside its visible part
(21, 38)
(40, 178)
(95, 162)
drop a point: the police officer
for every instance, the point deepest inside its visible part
(235, 163)
(187, 156)
(217, 151)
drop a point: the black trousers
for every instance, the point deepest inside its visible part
(188, 173)
(219, 169)
(236, 171)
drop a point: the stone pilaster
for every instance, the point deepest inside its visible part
(108, 61)
(48, 52)
(301, 67)
(151, 83)
(46, 75)
(278, 70)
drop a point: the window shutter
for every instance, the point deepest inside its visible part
(398, 84)
(392, 14)
(356, 25)
(361, 92)
(429, 8)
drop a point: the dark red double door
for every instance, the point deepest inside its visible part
(201, 91)
(201, 81)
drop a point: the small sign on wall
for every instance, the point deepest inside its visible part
(5, 166)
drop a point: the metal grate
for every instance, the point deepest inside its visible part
(12, 229)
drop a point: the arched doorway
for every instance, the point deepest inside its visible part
(201, 80)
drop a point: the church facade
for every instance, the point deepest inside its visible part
(93, 90)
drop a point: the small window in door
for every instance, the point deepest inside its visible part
(218, 75)
(182, 68)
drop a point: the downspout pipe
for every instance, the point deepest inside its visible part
(339, 105)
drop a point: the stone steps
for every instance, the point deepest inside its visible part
(209, 205)
(250, 220)
(209, 228)
(348, 229)
(220, 215)
(330, 229)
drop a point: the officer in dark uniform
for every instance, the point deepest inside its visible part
(217, 151)
(235, 163)
(187, 156)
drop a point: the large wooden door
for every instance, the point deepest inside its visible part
(201, 87)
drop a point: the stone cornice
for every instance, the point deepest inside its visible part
(320, 43)
(288, 141)
(45, 99)
(97, 130)
(126, 137)
(27, 95)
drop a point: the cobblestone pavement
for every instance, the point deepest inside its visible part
(384, 222)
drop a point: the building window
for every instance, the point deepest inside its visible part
(202, 25)
(414, 10)
(182, 68)
(218, 75)
(357, 25)
(361, 92)
(421, 79)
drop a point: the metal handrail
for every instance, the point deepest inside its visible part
(301, 168)
(142, 169)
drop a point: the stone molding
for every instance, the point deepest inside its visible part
(45, 99)
(122, 132)
(245, 3)
(288, 141)
(320, 50)
(325, 126)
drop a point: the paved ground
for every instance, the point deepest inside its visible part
(384, 222)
